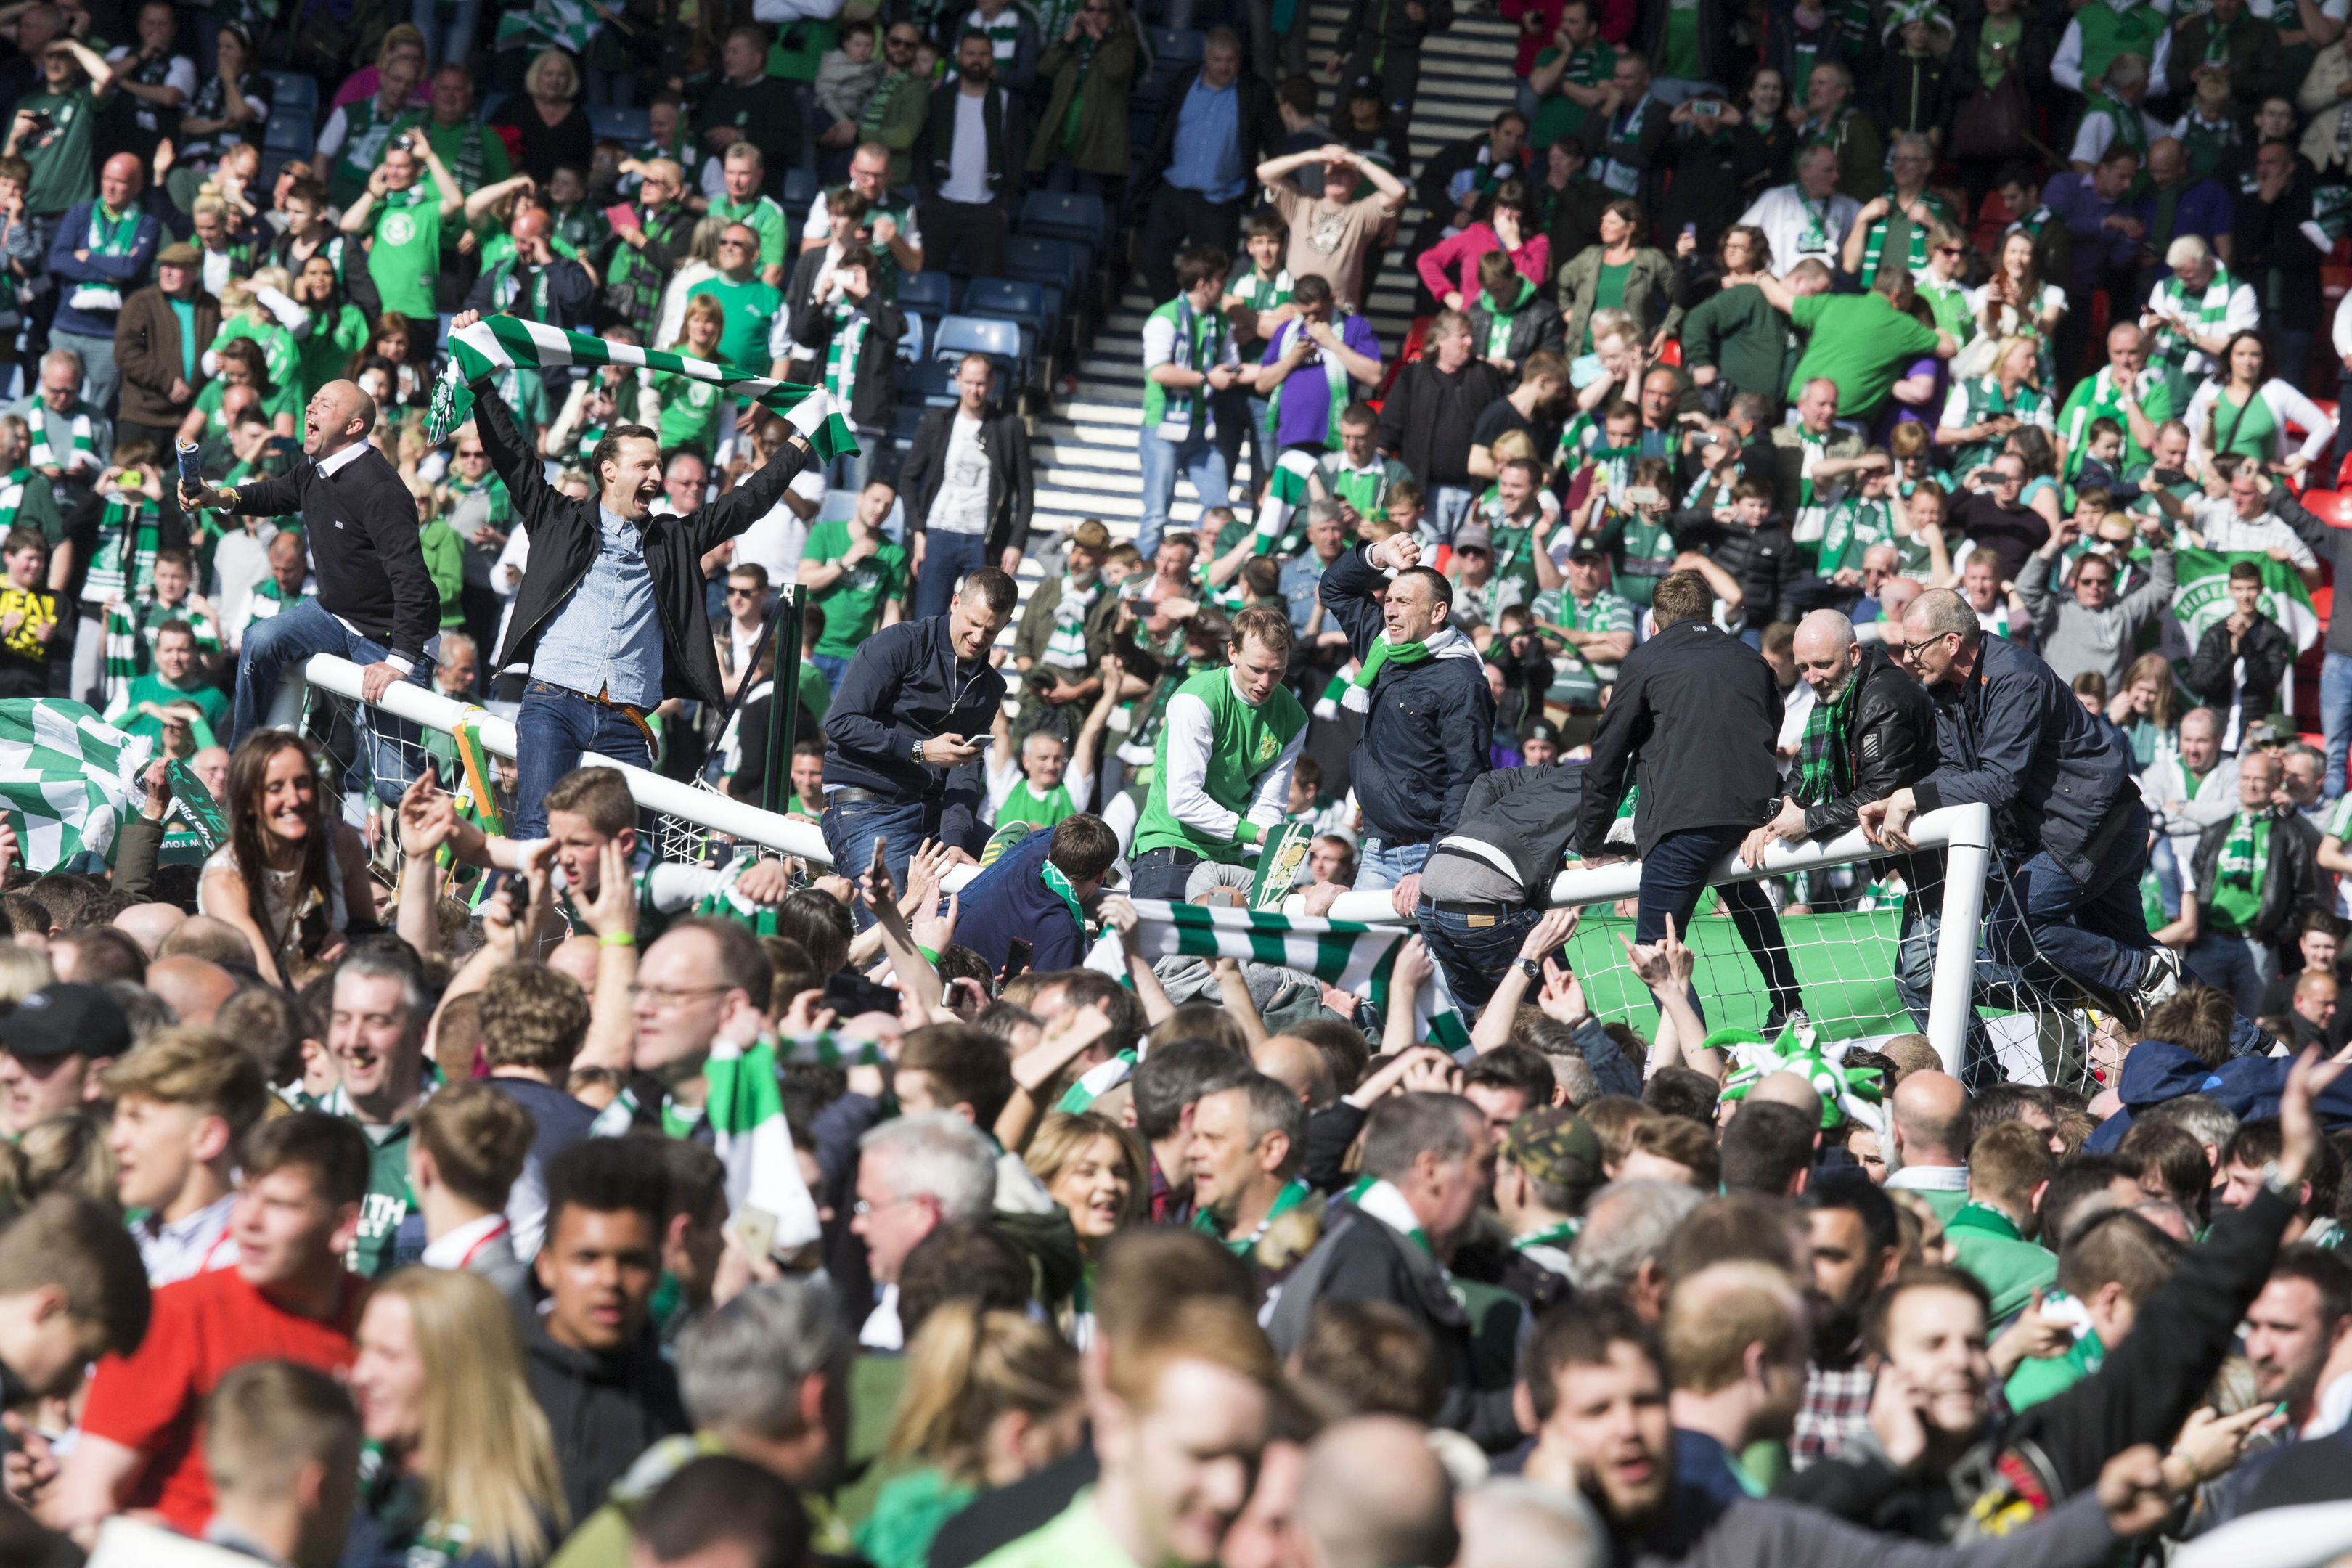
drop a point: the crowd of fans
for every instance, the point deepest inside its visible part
(429, 1165)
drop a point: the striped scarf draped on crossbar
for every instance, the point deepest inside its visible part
(499, 343)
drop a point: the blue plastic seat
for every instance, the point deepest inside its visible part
(1058, 263)
(290, 93)
(924, 293)
(632, 127)
(1009, 299)
(1001, 340)
(927, 383)
(911, 342)
(1065, 215)
(800, 190)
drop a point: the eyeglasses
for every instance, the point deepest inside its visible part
(471, 452)
(734, 245)
(863, 1206)
(2005, 481)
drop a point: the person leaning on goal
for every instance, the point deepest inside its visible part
(2067, 814)
(610, 615)
(1691, 724)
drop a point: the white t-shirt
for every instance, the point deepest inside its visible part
(776, 539)
(961, 505)
(967, 178)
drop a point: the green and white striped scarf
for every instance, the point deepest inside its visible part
(744, 1110)
(499, 344)
(131, 627)
(841, 353)
(124, 562)
(12, 495)
(268, 599)
(2207, 310)
(1065, 645)
(1915, 254)
(1285, 492)
(45, 454)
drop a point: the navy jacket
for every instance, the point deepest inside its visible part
(904, 687)
(2015, 738)
(1011, 899)
(1425, 740)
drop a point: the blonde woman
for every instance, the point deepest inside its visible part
(1982, 412)
(990, 1398)
(548, 115)
(701, 261)
(460, 1467)
(690, 407)
(1095, 1169)
(24, 970)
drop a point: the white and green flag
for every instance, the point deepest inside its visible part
(742, 1119)
(497, 344)
(2203, 597)
(66, 776)
(549, 24)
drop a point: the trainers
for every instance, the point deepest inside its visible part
(2157, 983)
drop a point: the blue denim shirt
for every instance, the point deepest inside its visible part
(1302, 579)
(1208, 156)
(607, 637)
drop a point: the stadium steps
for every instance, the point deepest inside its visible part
(1084, 446)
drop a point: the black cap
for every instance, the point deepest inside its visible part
(64, 1020)
(1542, 729)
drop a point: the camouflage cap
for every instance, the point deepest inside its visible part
(1556, 1146)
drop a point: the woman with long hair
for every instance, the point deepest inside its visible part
(989, 1397)
(2035, 450)
(2243, 408)
(1764, 142)
(690, 407)
(459, 1467)
(1449, 269)
(1983, 410)
(2143, 710)
(289, 878)
(1619, 272)
(1095, 1168)
(2015, 301)
(339, 329)
(230, 106)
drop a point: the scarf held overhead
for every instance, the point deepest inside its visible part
(497, 344)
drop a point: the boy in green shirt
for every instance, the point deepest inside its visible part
(857, 577)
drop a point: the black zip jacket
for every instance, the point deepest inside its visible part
(2332, 545)
(1764, 561)
(905, 686)
(1008, 140)
(1261, 126)
(1536, 325)
(1890, 738)
(2291, 883)
(565, 538)
(601, 1410)
(362, 525)
(1428, 417)
(1012, 480)
(2145, 1391)
(873, 398)
(2269, 652)
(1392, 25)
(1528, 816)
(1695, 718)
(1426, 735)
(2014, 737)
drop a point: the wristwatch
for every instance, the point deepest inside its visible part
(915, 752)
(1533, 969)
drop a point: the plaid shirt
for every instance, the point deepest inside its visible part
(1836, 1409)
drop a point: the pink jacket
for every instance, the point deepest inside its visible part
(1436, 265)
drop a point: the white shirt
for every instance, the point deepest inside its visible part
(1190, 728)
(2066, 65)
(775, 542)
(182, 1249)
(961, 505)
(1786, 215)
(455, 1249)
(2099, 129)
(882, 1331)
(2287, 406)
(1929, 1179)
(967, 178)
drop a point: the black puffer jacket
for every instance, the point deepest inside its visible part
(565, 537)
(2269, 652)
(601, 1410)
(1763, 560)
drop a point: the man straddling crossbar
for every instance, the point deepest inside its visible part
(376, 605)
(1692, 720)
(609, 616)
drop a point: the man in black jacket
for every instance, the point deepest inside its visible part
(973, 152)
(610, 615)
(1429, 717)
(1380, 42)
(376, 603)
(1191, 183)
(2245, 694)
(1454, 185)
(1694, 721)
(1753, 545)
(998, 499)
(1427, 1165)
(2257, 876)
(904, 736)
(1486, 884)
(2067, 811)
(852, 312)
(1430, 413)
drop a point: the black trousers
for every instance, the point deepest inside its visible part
(978, 228)
(1178, 217)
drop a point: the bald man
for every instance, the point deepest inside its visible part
(536, 284)
(194, 988)
(1298, 1066)
(1930, 1142)
(1373, 1495)
(99, 252)
(149, 924)
(376, 605)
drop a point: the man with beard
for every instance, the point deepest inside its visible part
(1595, 1388)
(1856, 1248)
(969, 170)
(1735, 1343)
(1930, 1467)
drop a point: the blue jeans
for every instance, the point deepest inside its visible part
(555, 728)
(1162, 873)
(851, 827)
(1473, 952)
(946, 558)
(2241, 965)
(2336, 717)
(1673, 881)
(1446, 508)
(1384, 865)
(833, 667)
(285, 641)
(1996, 984)
(1198, 460)
(2055, 929)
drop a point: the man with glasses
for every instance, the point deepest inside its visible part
(914, 1174)
(2066, 810)
(758, 327)
(2091, 629)
(1894, 226)
(896, 114)
(874, 171)
(651, 249)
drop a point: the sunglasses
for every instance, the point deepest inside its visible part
(734, 245)
(742, 593)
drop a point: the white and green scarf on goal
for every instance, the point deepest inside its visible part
(497, 344)
(66, 778)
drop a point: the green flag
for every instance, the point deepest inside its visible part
(2202, 596)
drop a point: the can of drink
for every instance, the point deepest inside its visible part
(192, 472)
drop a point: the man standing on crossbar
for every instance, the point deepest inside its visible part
(610, 615)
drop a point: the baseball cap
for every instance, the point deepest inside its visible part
(1555, 1146)
(1542, 729)
(66, 1020)
(1475, 536)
